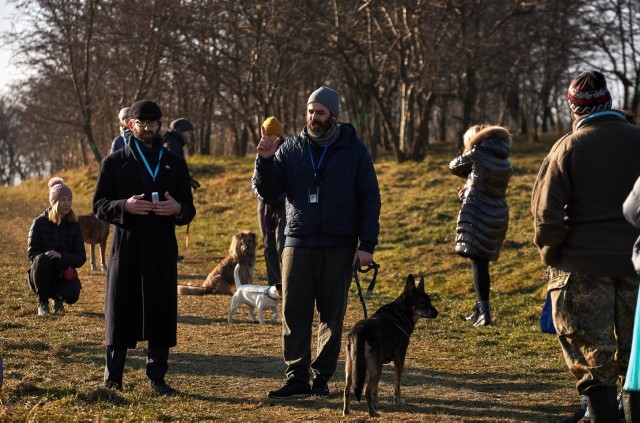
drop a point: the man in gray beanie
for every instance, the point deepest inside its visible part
(327, 97)
(333, 208)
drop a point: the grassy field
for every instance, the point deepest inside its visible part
(454, 373)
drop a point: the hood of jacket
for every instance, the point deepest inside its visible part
(494, 138)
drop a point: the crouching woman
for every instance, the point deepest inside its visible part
(56, 250)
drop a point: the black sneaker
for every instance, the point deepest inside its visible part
(161, 388)
(320, 388)
(291, 389)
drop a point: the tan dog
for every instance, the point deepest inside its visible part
(242, 251)
(95, 231)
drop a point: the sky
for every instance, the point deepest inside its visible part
(7, 72)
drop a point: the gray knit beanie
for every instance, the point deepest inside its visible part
(328, 98)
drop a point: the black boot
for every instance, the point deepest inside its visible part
(631, 404)
(484, 316)
(603, 405)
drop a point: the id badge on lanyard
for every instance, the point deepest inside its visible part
(314, 190)
(314, 195)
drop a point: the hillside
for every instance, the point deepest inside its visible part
(506, 372)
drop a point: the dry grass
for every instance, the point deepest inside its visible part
(507, 372)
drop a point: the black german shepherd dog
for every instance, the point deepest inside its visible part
(382, 338)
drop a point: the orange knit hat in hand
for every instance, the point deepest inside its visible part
(272, 126)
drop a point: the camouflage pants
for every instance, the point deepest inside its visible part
(593, 316)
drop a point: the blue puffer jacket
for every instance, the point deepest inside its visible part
(349, 197)
(484, 215)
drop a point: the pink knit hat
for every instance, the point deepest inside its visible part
(57, 189)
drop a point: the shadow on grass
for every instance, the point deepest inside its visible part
(93, 396)
(492, 386)
(228, 365)
(103, 395)
(482, 411)
(11, 325)
(196, 320)
(87, 313)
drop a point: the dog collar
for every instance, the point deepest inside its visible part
(267, 293)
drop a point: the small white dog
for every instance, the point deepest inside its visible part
(255, 296)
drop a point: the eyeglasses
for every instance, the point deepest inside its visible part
(146, 123)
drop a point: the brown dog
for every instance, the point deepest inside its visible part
(95, 231)
(242, 251)
(382, 338)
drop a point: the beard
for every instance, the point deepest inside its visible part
(143, 135)
(318, 129)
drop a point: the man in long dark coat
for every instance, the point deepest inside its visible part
(144, 191)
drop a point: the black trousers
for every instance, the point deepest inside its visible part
(157, 363)
(272, 223)
(46, 281)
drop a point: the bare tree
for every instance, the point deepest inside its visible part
(411, 71)
(10, 149)
(61, 44)
(613, 28)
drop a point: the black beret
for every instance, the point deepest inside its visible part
(145, 109)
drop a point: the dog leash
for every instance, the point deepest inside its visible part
(356, 268)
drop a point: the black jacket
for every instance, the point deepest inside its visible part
(484, 215)
(174, 142)
(141, 291)
(65, 238)
(348, 209)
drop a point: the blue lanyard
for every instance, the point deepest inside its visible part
(146, 163)
(599, 114)
(313, 163)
